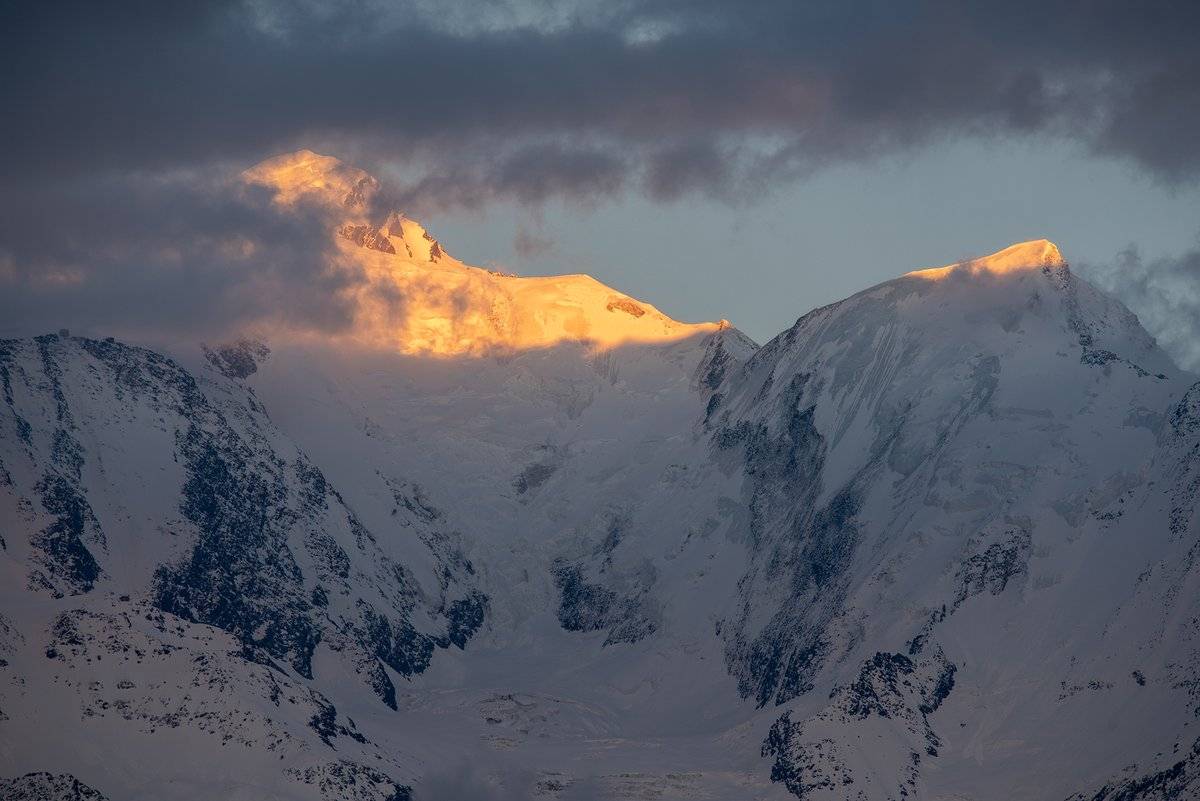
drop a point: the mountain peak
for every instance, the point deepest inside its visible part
(1034, 254)
(411, 295)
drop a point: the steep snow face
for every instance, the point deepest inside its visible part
(954, 496)
(411, 296)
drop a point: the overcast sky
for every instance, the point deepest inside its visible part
(745, 160)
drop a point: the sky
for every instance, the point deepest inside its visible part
(747, 161)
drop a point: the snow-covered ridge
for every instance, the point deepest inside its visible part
(414, 297)
(1034, 254)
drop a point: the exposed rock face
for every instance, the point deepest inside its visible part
(820, 757)
(366, 236)
(595, 607)
(238, 359)
(347, 781)
(625, 305)
(47, 787)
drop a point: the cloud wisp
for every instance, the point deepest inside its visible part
(1165, 295)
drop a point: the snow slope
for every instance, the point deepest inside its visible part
(530, 538)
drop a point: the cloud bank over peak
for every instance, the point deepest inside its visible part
(183, 254)
(523, 101)
(299, 245)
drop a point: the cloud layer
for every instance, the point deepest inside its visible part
(528, 101)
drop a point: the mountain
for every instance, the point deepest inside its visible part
(515, 537)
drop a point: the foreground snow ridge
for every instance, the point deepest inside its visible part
(529, 538)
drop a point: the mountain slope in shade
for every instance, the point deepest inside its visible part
(961, 491)
(935, 541)
(166, 524)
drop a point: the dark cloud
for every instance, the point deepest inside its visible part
(531, 244)
(528, 174)
(667, 95)
(1165, 295)
(683, 167)
(149, 254)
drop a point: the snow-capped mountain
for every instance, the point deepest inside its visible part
(413, 297)
(961, 485)
(530, 538)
